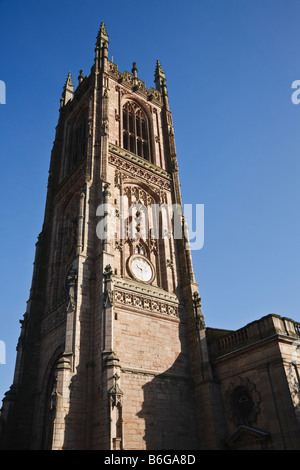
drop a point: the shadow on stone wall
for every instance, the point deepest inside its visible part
(169, 406)
(169, 413)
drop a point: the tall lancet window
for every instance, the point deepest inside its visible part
(135, 131)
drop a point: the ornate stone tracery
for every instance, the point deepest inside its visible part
(131, 165)
(242, 402)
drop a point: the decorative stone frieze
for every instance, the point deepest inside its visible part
(146, 300)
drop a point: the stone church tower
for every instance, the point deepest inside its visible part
(104, 358)
(113, 351)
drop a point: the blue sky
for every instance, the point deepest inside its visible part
(229, 66)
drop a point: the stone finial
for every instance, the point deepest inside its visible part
(159, 70)
(134, 70)
(103, 29)
(160, 83)
(102, 37)
(159, 77)
(80, 76)
(69, 82)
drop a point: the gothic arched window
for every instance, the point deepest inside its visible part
(139, 250)
(79, 140)
(135, 131)
(76, 142)
(50, 407)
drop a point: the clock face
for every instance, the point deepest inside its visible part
(141, 269)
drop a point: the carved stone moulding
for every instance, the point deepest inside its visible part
(146, 304)
(126, 160)
(139, 173)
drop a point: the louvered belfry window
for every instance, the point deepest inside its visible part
(135, 130)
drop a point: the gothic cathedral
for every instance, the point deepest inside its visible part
(114, 353)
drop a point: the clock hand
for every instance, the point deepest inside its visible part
(140, 269)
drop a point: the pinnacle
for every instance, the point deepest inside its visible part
(158, 67)
(103, 28)
(102, 31)
(159, 72)
(69, 78)
(68, 89)
(160, 78)
(69, 82)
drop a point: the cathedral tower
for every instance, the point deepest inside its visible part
(114, 353)
(109, 354)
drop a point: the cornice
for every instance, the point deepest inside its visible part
(152, 291)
